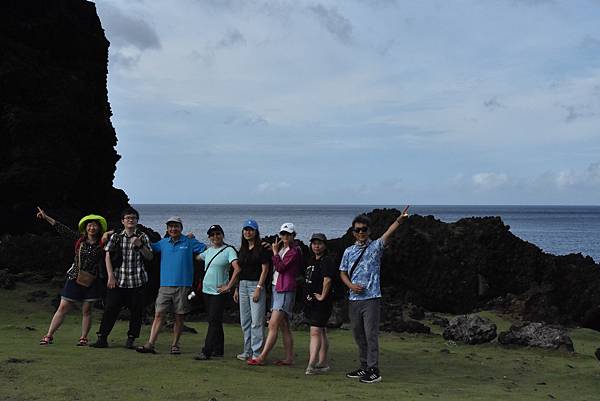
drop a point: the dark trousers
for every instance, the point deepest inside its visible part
(116, 299)
(364, 319)
(214, 344)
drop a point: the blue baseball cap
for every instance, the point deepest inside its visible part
(251, 223)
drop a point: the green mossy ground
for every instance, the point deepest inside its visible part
(413, 367)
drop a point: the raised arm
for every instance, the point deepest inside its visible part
(394, 226)
(282, 264)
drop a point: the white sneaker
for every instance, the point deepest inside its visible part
(242, 357)
(323, 369)
(311, 371)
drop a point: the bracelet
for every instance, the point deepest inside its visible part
(258, 286)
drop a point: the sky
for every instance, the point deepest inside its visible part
(356, 101)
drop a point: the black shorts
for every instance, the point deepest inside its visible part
(318, 313)
(75, 292)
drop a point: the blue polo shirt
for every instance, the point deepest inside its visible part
(176, 260)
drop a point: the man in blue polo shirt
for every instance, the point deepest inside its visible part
(176, 276)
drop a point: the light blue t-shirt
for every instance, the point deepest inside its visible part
(176, 260)
(218, 271)
(367, 272)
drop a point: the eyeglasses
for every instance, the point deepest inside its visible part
(360, 229)
(131, 218)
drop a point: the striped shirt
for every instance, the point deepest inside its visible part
(131, 273)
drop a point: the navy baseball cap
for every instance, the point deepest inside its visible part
(215, 227)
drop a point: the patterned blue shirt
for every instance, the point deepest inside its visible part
(367, 272)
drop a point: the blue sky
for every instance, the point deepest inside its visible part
(356, 101)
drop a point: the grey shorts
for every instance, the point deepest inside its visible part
(175, 296)
(284, 301)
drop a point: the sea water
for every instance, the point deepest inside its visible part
(555, 229)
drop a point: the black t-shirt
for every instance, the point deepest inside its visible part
(251, 263)
(316, 270)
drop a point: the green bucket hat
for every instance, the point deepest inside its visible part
(92, 217)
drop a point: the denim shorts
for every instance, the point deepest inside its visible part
(75, 292)
(284, 301)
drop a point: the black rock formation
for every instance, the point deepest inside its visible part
(58, 147)
(537, 335)
(462, 266)
(470, 329)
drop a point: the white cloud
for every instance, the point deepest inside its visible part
(589, 177)
(272, 186)
(489, 181)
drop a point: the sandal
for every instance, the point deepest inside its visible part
(146, 349)
(83, 342)
(46, 340)
(175, 350)
(255, 362)
(281, 362)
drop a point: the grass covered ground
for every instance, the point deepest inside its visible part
(413, 366)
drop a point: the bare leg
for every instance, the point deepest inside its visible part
(156, 324)
(86, 319)
(324, 350)
(288, 340)
(59, 316)
(315, 346)
(274, 323)
(177, 328)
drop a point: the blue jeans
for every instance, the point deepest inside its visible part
(252, 317)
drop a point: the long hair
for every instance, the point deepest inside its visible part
(245, 244)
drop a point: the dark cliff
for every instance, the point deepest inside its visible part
(58, 147)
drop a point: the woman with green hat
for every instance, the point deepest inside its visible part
(82, 283)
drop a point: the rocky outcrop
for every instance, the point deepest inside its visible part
(58, 147)
(537, 335)
(462, 266)
(470, 329)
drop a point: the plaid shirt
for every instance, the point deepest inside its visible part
(131, 274)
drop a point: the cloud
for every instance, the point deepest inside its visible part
(248, 121)
(532, 2)
(493, 103)
(272, 186)
(125, 30)
(590, 177)
(232, 38)
(335, 23)
(489, 181)
(590, 42)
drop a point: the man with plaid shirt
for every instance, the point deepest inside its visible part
(126, 282)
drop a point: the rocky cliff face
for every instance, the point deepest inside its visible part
(57, 139)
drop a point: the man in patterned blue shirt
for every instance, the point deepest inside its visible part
(360, 272)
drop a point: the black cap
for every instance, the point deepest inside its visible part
(318, 236)
(215, 227)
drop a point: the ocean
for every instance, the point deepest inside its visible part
(555, 229)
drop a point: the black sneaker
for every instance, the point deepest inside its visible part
(130, 343)
(202, 357)
(101, 343)
(356, 374)
(372, 376)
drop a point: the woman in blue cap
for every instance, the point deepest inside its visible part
(82, 283)
(250, 294)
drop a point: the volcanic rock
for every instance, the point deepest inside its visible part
(536, 334)
(470, 329)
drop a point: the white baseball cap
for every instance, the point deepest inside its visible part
(288, 228)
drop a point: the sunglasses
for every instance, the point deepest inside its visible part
(360, 229)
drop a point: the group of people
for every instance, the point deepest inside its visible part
(121, 256)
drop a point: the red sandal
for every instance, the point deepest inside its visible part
(83, 342)
(46, 340)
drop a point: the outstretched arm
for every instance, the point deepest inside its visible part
(394, 226)
(42, 215)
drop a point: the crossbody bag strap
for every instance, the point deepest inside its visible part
(357, 261)
(213, 258)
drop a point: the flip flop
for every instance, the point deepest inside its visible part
(46, 340)
(175, 350)
(281, 362)
(255, 362)
(83, 342)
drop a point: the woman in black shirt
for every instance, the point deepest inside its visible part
(254, 261)
(318, 302)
